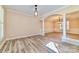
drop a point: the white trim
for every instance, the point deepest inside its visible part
(16, 11)
(49, 32)
(53, 12)
(43, 29)
(22, 36)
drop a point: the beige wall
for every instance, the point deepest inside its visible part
(48, 26)
(20, 25)
(74, 23)
(74, 26)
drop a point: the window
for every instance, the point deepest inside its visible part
(61, 26)
(67, 25)
(1, 23)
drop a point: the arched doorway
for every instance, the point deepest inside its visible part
(53, 26)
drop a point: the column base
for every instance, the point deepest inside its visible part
(64, 38)
(70, 41)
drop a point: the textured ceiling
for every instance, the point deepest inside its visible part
(29, 9)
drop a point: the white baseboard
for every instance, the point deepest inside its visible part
(71, 41)
(12, 38)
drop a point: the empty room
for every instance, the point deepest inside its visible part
(39, 29)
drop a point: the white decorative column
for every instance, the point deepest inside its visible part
(65, 38)
(43, 32)
(64, 24)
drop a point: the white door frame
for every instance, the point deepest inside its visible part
(2, 10)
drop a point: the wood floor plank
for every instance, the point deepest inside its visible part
(39, 46)
(19, 46)
(34, 49)
(2, 47)
(10, 47)
(24, 47)
(15, 47)
(2, 44)
(6, 46)
(34, 44)
(27, 46)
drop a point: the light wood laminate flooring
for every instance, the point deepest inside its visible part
(36, 44)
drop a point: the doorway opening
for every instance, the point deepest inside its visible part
(1, 22)
(53, 26)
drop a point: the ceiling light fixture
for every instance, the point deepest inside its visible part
(36, 11)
